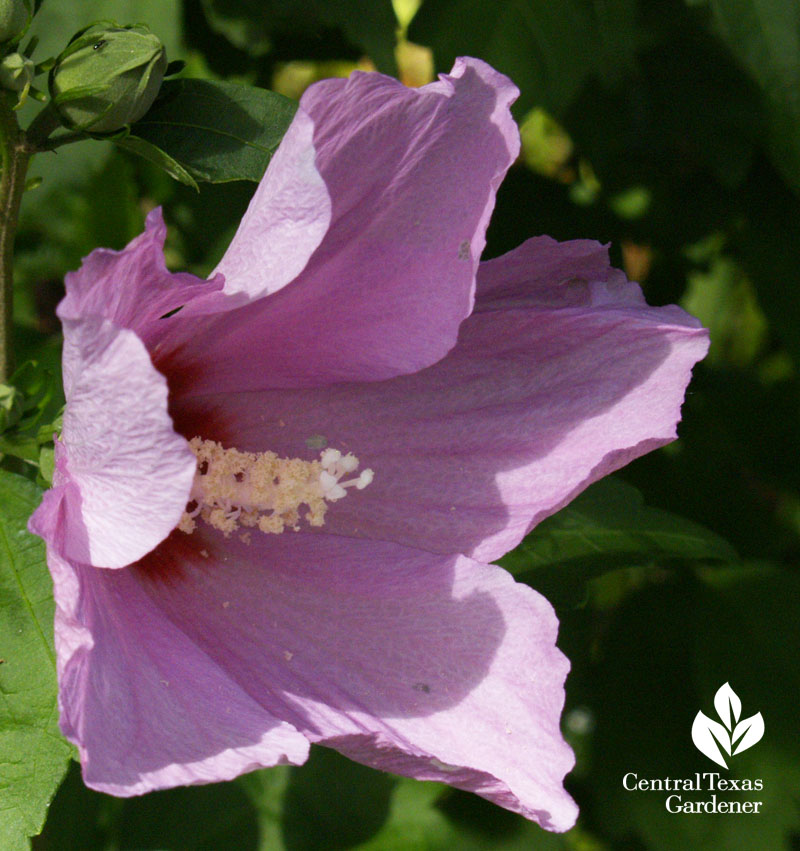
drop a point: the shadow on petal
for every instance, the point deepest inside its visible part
(423, 664)
(146, 707)
(303, 622)
(528, 409)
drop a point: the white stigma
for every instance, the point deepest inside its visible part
(334, 466)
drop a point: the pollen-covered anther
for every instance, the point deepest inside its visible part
(259, 490)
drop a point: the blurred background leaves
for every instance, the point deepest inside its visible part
(669, 129)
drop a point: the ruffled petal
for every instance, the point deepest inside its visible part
(133, 287)
(550, 388)
(124, 475)
(412, 175)
(545, 273)
(145, 706)
(432, 666)
(285, 222)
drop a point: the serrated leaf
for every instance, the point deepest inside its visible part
(33, 756)
(151, 153)
(217, 131)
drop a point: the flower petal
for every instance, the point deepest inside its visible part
(132, 287)
(285, 222)
(545, 273)
(431, 666)
(551, 386)
(124, 475)
(412, 175)
(145, 706)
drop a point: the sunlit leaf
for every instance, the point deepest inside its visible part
(33, 756)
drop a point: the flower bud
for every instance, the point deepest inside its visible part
(16, 72)
(107, 77)
(14, 18)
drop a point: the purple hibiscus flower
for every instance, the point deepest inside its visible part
(274, 509)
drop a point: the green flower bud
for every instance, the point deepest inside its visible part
(107, 77)
(16, 72)
(14, 18)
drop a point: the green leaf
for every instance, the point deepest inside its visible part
(217, 131)
(252, 25)
(610, 518)
(333, 802)
(245, 23)
(764, 35)
(266, 789)
(20, 446)
(47, 464)
(152, 154)
(415, 821)
(55, 23)
(548, 49)
(369, 24)
(195, 818)
(11, 406)
(435, 817)
(33, 756)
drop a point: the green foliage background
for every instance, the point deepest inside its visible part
(671, 130)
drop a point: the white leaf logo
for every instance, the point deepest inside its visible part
(727, 703)
(731, 736)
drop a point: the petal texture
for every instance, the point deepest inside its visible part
(124, 475)
(432, 666)
(133, 287)
(285, 222)
(145, 706)
(552, 385)
(412, 175)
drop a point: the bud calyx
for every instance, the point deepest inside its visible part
(107, 77)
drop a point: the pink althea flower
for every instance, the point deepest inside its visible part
(274, 510)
